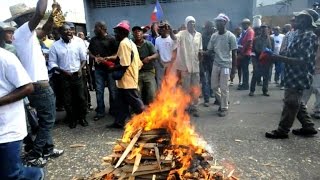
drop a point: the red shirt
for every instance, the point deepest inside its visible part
(248, 35)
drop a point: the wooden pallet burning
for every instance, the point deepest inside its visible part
(150, 155)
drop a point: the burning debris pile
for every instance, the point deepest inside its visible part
(160, 143)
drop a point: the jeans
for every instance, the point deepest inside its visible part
(277, 74)
(102, 76)
(294, 107)
(74, 98)
(11, 167)
(127, 98)
(220, 78)
(43, 100)
(147, 86)
(260, 71)
(244, 63)
(316, 90)
(205, 78)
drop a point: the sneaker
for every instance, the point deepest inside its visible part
(222, 113)
(305, 132)
(275, 134)
(251, 94)
(98, 117)
(195, 113)
(231, 83)
(282, 88)
(54, 154)
(37, 162)
(206, 104)
(266, 94)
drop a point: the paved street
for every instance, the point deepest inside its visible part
(238, 142)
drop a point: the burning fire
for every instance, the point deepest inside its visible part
(168, 111)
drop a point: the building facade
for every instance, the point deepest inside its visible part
(283, 9)
(138, 12)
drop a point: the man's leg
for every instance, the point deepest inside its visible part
(112, 87)
(215, 81)
(11, 167)
(43, 100)
(194, 84)
(265, 75)
(134, 100)
(292, 100)
(122, 110)
(150, 87)
(278, 72)
(245, 71)
(254, 81)
(100, 85)
(224, 77)
(316, 88)
(68, 102)
(79, 102)
(159, 72)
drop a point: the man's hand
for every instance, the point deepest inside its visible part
(146, 60)
(98, 60)
(80, 72)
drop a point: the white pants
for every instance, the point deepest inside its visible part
(189, 82)
(219, 81)
(315, 88)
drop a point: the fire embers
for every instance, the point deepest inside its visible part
(150, 155)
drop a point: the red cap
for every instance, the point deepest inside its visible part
(124, 25)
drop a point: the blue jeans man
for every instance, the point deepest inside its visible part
(11, 167)
(43, 100)
(102, 76)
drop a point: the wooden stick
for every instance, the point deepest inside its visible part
(154, 177)
(156, 150)
(136, 163)
(128, 149)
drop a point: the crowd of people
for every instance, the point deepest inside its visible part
(46, 69)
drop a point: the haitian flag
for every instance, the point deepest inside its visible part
(157, 13)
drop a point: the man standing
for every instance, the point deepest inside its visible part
(224, 46)
(245, 46)
(148, 54)
(130, 63)
(15, 84)
(260, 43)
(68, 58)
(189, 44)
(32, 59)
(299, 68)
(278, 38)
(315, 88)
(166, 47)
(206, 64)
(101, 46)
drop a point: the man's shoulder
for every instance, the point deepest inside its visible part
(6, 57)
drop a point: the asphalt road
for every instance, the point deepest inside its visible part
(237, 141)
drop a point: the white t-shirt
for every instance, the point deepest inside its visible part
(30, 54)
(277, 42)
(165, 46)
(12, 116)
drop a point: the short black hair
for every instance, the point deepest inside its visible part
(101, 24)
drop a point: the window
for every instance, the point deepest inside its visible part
(116, 3)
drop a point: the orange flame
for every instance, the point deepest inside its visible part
(169, 111)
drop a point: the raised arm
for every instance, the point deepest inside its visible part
(38, 16)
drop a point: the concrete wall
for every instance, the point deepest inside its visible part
(175, 12)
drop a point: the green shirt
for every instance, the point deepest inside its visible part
(10, 48)
(145, 50)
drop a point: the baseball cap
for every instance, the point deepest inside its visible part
(123, 25)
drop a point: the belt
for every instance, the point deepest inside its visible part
(43, 83)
